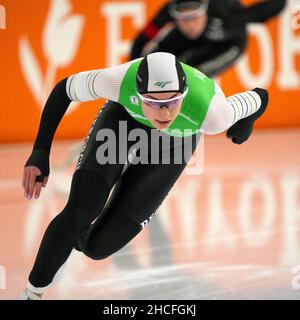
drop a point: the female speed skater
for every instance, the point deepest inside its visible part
(155, 105)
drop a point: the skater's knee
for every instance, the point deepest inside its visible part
(109, 234)
(98, 254)
(75, 219)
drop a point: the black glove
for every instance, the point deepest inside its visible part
(40, 159)
(242, 129)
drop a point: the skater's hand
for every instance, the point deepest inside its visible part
(240, 131)
(36, 173)
(29, 183)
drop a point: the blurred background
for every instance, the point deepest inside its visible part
(232, 232)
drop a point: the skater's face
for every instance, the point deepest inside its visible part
(192, 27)
(161, 118)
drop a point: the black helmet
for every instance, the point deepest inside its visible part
(177, 5)
(160, 72)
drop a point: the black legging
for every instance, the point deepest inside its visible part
(138, 192)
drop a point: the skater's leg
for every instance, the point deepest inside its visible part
(90, 189)
(135, 198)
(111, 231)
(88, 195)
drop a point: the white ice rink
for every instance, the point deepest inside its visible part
(231, 233)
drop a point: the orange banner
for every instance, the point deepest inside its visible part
(44, 41)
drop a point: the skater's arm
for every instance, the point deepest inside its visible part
(55, 107)
(211, 60)
(84, 86)
(262, 11)
(224, 112)
(150, 31)
(37, 167)
(94, 84)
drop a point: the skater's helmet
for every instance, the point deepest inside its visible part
(160, 72)
(177, 7)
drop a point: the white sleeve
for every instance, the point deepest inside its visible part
(224, 112)
(95, 84)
